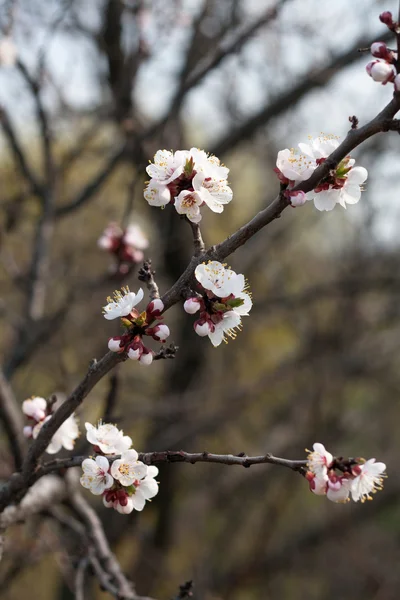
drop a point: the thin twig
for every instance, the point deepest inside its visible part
(97, 536)
(173, 456)
(11, 416)
(185, 591)
(94, 185)
(19, 154)
(146, 274)
(80, 579)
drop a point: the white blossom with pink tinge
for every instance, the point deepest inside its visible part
(96, 477)
(369, 481)
(128, 468)
(35, 408)
(108, 438)
(341, 187)
(122, 304)
(64, 437)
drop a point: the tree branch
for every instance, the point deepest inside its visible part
(173, 456)
(199, 246)
(314, 79)
(146, 274)
(11, 416)
(124, 589)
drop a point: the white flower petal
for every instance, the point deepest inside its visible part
(245, 308)
(326, 200)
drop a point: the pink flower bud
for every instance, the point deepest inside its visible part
(28, 431)
(38, 415)
(191, 305)
(397, 83)
(380, 50)
(202, 328)
(147, 358)
(114, 344)
(297, 198)
(380, 71)
(155, 307)
(134, 354)
(387, 18)
(161, 332)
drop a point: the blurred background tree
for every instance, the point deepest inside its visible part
(97, 88)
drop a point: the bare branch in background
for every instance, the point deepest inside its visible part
(11, 417)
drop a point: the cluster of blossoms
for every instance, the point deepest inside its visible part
(338, 478)
(38, 412)
(188, 179)
(383, 69)
(341, 186)
(222, 301)
(136, 324)
(126, 483)
(126, 245)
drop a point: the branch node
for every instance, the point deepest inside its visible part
(146, 274)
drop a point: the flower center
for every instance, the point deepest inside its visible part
(189, 201)
(124, 469)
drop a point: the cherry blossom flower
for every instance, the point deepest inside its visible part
(226, 327)
(190, 179)
(203, 327)
(160, 332)
(128, 468)
(223, 303)
(318, 484)
(135, 496)
(135, 353)
(126, 245)
(167, 166)
(369, 480)
(215, 277)
(64, 437)
(136, 325)
(338, 489)
(116, 344)
(339, 478)
(319, 460)
(155, 308)
(122, 304)
(191, 306)
(119, 500)
(380, 50)
(211, 191)
(146, 358)
(188, 203)
(35, 408)
(381, 71)
(340, 187)
(135, 237)
(107, 438)
(145, 489)
(157, 195)
(387, 18)
(96, 477)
